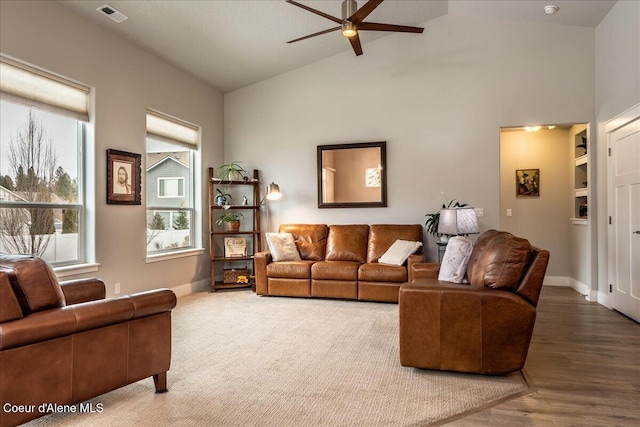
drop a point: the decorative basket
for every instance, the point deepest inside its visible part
(232, 275)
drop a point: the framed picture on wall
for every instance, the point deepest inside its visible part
(527, 182)
(123, 178)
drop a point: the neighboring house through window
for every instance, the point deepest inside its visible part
(170, 163)
(42, 204)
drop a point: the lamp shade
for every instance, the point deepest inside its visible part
(458, 221)
(273, 192)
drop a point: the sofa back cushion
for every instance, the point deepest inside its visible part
(311, 239)
(499, 260)
(9, 306)
(33, 282)
(347, 243)
(382, 236)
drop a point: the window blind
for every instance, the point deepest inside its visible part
(24, 84)
(171, 129)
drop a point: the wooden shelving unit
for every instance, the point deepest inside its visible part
(249, 229)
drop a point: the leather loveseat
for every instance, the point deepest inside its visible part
(482, 327)
(338, 261)
(65, 343)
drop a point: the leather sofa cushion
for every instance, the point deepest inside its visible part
(382, 236)
(9, 306)
(376, 272)
(290, 269)
(335, 270)
(499, 260)
(311, 239)
(33, 282)
(348, 243)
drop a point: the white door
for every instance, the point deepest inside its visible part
(624, 168)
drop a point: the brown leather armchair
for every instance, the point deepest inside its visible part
(482, 327)
(65, 343)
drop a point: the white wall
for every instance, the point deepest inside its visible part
(127, 81)
(617, 90)
(438, 99)
(543, 219)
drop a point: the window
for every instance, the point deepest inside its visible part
(42, 209)
(170, 163)
(171, 187)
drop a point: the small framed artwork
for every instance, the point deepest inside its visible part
(235, 247)
(372, 177)
(123, 178)
(527, 182)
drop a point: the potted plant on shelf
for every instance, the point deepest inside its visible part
(231, 172)
(221, 197)
(231, 221)
(433, 219)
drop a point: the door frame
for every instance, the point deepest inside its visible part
(612, 125)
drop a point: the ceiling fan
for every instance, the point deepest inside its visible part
(353, 21)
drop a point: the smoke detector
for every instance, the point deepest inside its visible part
(550, 9)
(112, 13)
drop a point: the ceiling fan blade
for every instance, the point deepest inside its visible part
(355, 44)
(364, 11)
(374, 26)
(317, 12)
(315, 34)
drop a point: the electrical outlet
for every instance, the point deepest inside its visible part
(117, 288)
(479, 212)
(509, 212)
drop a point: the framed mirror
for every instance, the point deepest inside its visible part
(352, 175)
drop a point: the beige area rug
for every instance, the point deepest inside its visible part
(244, 360)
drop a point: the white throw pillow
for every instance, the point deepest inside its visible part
(282, 247)
(398, 253)
(456, 257)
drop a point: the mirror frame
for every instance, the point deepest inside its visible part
(383, 187)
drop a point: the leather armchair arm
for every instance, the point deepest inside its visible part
(80, 317)
(261, 260)
(463, 328)
(423, 270)
(83, 290)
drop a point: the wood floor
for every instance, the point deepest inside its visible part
(584, 361)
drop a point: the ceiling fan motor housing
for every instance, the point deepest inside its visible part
(349, 7)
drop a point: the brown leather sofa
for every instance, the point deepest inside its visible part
(482, 327)
(65, 343)
(338, 261)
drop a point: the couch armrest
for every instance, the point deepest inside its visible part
(423, 270)
(85, 316)
(83, 290)
(261, 259)
(464, 328)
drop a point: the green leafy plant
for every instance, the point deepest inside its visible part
(433, 219)
(231, 172)
(221, 197)
(229, 217)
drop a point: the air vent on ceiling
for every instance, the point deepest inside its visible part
(112, 13)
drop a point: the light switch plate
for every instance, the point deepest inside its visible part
(479, 211)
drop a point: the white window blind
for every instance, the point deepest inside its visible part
(170, 129)
(37, 88)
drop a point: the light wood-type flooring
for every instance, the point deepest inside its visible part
(584, 361)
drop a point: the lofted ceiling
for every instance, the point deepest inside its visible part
(233, 43)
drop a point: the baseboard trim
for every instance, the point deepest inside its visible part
(556, 281)
(189, 288)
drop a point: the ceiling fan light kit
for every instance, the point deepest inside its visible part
(353, 21)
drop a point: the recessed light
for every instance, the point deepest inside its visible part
(550, 9)
(112, 13)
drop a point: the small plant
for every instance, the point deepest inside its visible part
(231, 172)
(229, 217)
(433, 219)
(221, 197)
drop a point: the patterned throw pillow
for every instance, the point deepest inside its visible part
(456, 257)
